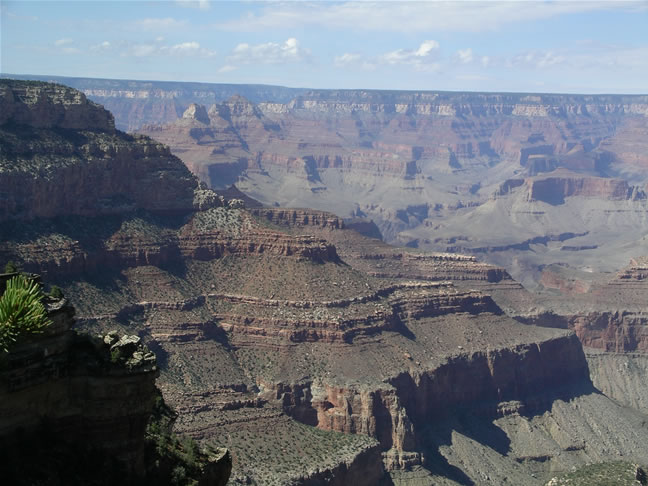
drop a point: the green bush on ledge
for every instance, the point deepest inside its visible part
(22, 312)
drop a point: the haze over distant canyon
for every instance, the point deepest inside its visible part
(525, 181)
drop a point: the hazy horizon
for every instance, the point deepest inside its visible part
(490, 46)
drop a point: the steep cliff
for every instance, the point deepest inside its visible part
(62, 156)
(70, 382)
(60, 389)
(608, 315)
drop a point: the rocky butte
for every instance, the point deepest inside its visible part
(316, 354)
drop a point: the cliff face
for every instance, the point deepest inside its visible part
(607, 314)
(555, 188)
(62, 156)
(70, 382)
(490, 384)
(402, 134)
(423, 166)
(43, 105)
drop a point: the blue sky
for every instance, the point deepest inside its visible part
(532, 46)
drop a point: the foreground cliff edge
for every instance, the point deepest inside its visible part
(76, 409)
(315, 354)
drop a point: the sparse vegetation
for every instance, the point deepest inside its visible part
(171, 459)
(603, 474)
(289, 449)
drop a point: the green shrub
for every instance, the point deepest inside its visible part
(11, 267)
(178, 476)
(21, 311)
(56, 292)
(115, 355)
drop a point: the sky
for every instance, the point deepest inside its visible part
(520, 46)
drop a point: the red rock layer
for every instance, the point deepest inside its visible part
(482, 381)
(70, 258)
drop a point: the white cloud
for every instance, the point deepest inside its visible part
(199, 4)
(422, 59)
(66, 46)
(354, 60)
(583, 57)
(185, 47)
(191, 48)
(227, 68)
(101, 47)
(412, 16)
(269, 53)
(140, 50)
(465, 55)
(347, 59)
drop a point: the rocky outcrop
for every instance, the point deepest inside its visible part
(85, 395)
(344, 320)
(440, 266)
(491, 383)
(554, 279)
(62, 156)
(43, 105)
(636, 272)
(196, 112)
(614, 331)
(363, 470)
(124, 250)
(298, 217)
(554, 188)
(606, 315)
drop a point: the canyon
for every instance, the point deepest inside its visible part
(315, 353)
(522, 181)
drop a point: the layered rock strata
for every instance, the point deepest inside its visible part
(284, 335)
(62, 156)
(607, 315)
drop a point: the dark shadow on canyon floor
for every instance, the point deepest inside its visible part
(477, 423)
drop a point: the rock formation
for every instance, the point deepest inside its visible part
(318, 355)
(425, 167)
(71, 381)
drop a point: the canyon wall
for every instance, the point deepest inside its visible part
(430, 167)
(314, 353)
